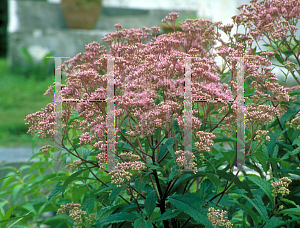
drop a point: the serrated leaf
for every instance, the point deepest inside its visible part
(259, 206)
(15, 218)
(279, 59)
(85, 153)
(262, 160)
(297, 142)
(249, 211)
(274, 222)
(3, 178)
(173, 173)
(229, 176)
(270, 45)
(114, 194)
(116, 218)
(176, 127)
(292, 111)
(293, 211)
(8, 214)
(71, 179)
(295, 92)
(264, 185)
(271, 145)
(287, 53)
(275, 152)
(168, 215)
(55, 191)
(141, 223)
(265, 151)
(294, 152)
(206, 188)
(191, 205)
(164, 148)
(289, 201)
(88, 203)
(150, 203)
(187, 177)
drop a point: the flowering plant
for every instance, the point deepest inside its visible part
(155, 182)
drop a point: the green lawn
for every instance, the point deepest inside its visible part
(19, 96)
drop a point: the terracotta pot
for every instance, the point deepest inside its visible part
(81, 14)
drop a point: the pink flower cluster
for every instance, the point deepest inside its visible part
(281, 186)
(206, 141)
(185, 160)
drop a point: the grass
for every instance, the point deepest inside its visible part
(20, 96)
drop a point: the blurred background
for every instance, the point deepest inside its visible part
(32, 30)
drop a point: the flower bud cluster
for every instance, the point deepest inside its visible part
(120, 177)
(128, 156)
(196, 123)
(78, 215)
(185, 160)
(85, 138)
(121, 171)
(260, 134)
(102, 159)
(295, 123)
(218, 217)
(280, 187)
(206, 140)
(260, 113)
(44, 149)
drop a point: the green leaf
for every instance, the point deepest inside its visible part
(71, 179)
(275, 152)
(289, 201)
(264, 185)
(229, 176)
(116, 218)
(274, 222)
(297, 142)
(85, 153)
(8, 214)
(15, 218)
(164, 148)
(262, 160)
(55, 191)
(249, 211)
(270, 45)
(170, 148)
(295, 92)
(173, 173)
(291, 112)
(187, 177)
(271, 145)
(259, 206)
(265, 151)
(168, 215)
(176, 127)
(89, 203)
(206, 188)
(141, 223)
(114, 194)
(279, 59)
(150, 203)
(293, 211)
(1, 179)
(287, 53)
(225, 139)
(191, 205)
(294, 152)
